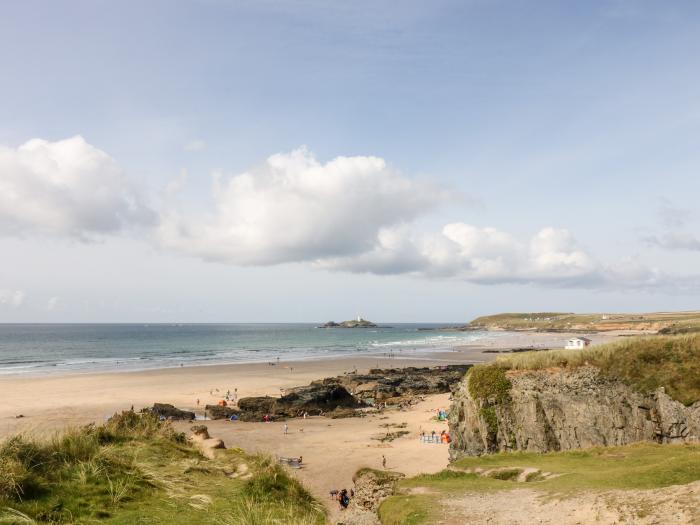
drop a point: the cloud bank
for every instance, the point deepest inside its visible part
(350, 214)
(67, 188)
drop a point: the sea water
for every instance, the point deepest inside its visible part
(69, 348)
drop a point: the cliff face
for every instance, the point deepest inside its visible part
(562, 409)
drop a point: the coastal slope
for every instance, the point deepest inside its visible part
(615, 394)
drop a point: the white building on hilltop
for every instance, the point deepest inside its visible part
(576, 343)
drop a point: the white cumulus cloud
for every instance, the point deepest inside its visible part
(11, 298)
(295, 208)
(67, 187)
(476, 254)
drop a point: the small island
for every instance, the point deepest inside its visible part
(354, 323)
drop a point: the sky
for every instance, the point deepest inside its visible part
(300, 161)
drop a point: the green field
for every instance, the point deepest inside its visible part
(560, 474)
(135, 469)
(665, 322)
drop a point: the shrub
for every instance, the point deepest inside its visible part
(489, 383)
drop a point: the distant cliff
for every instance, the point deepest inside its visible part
(664, 322)
(611, 396)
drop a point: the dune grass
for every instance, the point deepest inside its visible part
(644, 363)
(639, 466)
(136, 469)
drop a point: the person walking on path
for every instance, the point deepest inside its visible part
(384, 462)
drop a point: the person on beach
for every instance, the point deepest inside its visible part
(343, 499)
(384, 462)
(286, 429)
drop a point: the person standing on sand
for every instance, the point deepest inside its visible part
(383, 462)
(286, 428)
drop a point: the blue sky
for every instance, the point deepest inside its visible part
(561, 138)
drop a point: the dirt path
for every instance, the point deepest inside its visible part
(671, 505)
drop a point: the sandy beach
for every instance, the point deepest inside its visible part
(333, 449)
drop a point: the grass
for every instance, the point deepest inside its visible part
(646, 363)
(489, 383)
(669, 322)
(639, 466)
(136, 469)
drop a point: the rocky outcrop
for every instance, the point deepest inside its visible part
(396, 384)
(318, 398)
(371, 488)
(170, 412)
(341, 396)
(221, 412)
(355, 323)
(562, 409)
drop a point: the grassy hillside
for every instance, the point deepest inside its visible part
(422, 499)
(666, 322)
(135, 469)
(644, 363)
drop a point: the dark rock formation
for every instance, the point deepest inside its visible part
(548, 410)
(383, 385)
(340, 396)
(219, 412)
(170, 412)
(316, 398)
(255, 408)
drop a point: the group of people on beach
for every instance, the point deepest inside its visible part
(433, 437)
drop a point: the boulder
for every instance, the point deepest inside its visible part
(206, 444)
(255, 408)
(317, 398)
(170, 412)
(219, 412)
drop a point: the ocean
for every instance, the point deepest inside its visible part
(70, 348)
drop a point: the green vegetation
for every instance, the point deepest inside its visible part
(644, 363)
(489, 383)
(639, 466)
(136, 469)
(406, 510)
(509, 474)
(665, 322)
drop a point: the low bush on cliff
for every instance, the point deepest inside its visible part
(137, 469)
(489, 383)
(644, 363)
